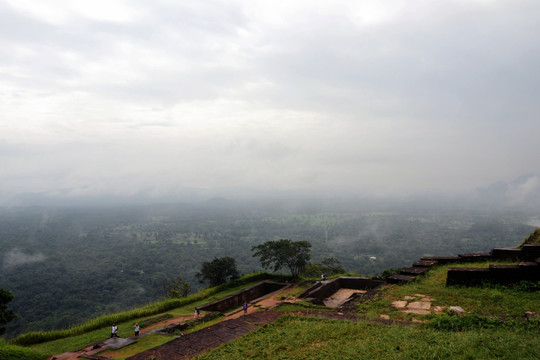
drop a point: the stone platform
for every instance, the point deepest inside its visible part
(198, 342)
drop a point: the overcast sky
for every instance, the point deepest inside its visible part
(113, 97)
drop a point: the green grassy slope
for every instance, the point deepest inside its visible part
(295, 337)
(534, 238)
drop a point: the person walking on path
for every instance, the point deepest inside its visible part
(245, 307)
(197, 313)
(114, 330)
(137, 328)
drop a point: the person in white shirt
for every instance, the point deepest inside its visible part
(114, 331)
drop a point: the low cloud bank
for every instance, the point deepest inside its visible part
(15, 257)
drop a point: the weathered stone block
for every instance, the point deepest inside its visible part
(425, 263)
(467, 276)
(415, 271)
(400, 279)
(458, 310)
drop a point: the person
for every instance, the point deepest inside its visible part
(323, 276)
(245, 307)
(114, 330)
(137, 328)
(197, 313)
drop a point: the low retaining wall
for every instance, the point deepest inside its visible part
(527, 254)
(527, 269)
(524, 253)
(324, 289)
(495, 274)
(247, 295)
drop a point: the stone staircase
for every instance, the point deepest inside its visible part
(528, 267)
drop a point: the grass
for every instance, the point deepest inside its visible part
(14, 352)
(293, 337)
(533, 239)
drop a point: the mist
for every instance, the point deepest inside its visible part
(16, 257)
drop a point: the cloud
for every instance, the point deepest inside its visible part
(15, 257)
(358, 97)
(524, 189)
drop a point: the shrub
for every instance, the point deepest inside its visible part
(12, 352)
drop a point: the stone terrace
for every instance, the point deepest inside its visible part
(196, 343)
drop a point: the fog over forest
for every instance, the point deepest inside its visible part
(65, 264)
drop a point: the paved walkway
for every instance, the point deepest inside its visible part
(111, 343)
(198, 342)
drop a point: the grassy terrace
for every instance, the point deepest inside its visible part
(501, 302)
(439, 336)
(294, 337)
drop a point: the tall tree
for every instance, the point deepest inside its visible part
(328, 266)
(6, 315)
(176, 287)
(284, 253)
(218, 271)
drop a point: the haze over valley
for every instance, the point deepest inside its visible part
(67, 264)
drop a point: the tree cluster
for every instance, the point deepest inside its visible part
(6, 315)
(218, 271)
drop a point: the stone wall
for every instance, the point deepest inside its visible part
(324, 289)
(247, 295)
(527, 268)
(495, 274)
(524, 253)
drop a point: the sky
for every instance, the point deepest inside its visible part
(164, 98)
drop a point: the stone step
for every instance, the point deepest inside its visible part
(425, 263)
(506, 253)
(400, 279)
(442, 259)
(474, 257)
(528, 264)
(414, 271)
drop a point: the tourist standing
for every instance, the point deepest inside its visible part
(114, 330)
